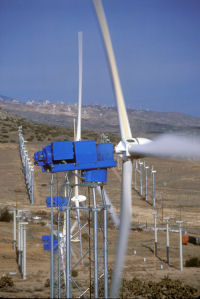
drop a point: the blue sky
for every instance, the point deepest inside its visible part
(156, 43)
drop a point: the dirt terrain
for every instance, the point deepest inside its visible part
(177, 196)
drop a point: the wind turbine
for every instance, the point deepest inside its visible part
(81, 198)
(130, 148)
(77, 197)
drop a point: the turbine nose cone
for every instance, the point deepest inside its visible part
(135, 149)
(142, 140)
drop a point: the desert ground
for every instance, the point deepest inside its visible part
(177, 197)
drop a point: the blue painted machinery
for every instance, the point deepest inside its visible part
(58, 201)
(46, 239)
(91, 158)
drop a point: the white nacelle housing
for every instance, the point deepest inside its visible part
(124, 146)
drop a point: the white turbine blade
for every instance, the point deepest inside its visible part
(63, 261)
(169, 146)
(80, 60)
(125, 220)
(73, 227)
(78, 133)
(111, 210)
(64, 220)
(122, 113)
(76, 201)
(125, 216)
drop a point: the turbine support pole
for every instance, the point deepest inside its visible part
(105, 245)
(20, 246)
(32, 185)
(153, 188)
(68, 254)
(52, 245)
(14, 228)
(155, 234)
(146, 183)
(58, 258)
(24, 250)
(95, 241)
(18, 239)
(167, 238)
(180, 222)
(141, 190)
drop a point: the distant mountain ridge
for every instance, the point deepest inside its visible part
(101, 118)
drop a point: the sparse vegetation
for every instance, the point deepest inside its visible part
(74, 273)
(6, 281)
(5, 215)
(47, 283)
(18, 191)
(5, 136)
(42, 223)
(41, 212)
(37, 132)
(166, 288)
(38, 289)
(85, 236)
(192, 262)
(30, 138)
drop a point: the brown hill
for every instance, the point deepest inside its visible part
(103, 119)
(38, 132)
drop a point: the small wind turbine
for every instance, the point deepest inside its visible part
(77, 197)
(132, 148)
(80, 198)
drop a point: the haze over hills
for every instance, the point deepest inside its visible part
(102, 118)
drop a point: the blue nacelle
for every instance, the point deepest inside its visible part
(38, 156)
(47, 247)
(46, 239)
(61, 156)
(58, 201)
(95, 175)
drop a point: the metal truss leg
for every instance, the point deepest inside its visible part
(58, 258)
(52, 246)
(14, 228)
(24, 252)
(105, 245)
(68, 254)
(95, 241)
